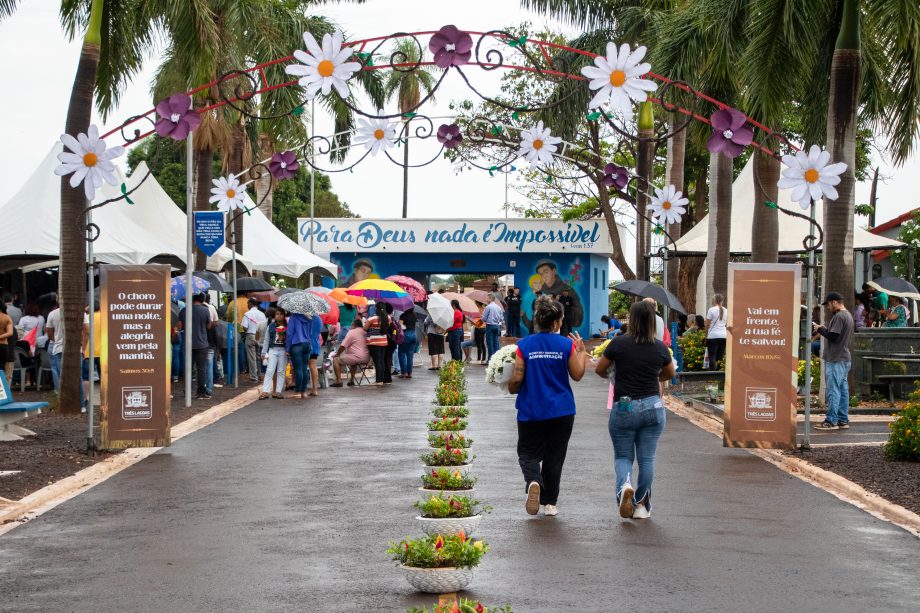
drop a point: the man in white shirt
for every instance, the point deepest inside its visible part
(251, 320)
(54, 328)
(493, 316)
(13, 311)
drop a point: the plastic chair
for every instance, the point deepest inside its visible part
(18, 354)
(44, 366)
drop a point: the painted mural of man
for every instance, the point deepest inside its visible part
(551, 285)
(361, 270)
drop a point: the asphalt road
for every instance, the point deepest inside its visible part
(288, 506)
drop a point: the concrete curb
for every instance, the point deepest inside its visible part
(45, 499)
(831, 482)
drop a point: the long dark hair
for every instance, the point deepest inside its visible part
(642, 323)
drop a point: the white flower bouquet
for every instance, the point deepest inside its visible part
(501, 365)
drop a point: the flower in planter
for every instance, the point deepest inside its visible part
(449, 506)
(438, 552)
(445, 456)
(463, 606)
(444, 478)
(447, 424)
(452, 440)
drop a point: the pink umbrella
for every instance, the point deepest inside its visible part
(412, 287)
(332, 317)
(466, 305)
(478, 295)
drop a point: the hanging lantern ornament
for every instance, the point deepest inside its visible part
(323, 68)
(177, 117)
(731, 133)
(811, 177)
(450, 47)
(88, 160)
(283, 165)
(616, 77)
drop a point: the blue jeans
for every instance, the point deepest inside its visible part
(838, 393)
(300, 364)
(493, 334)
(454, 339)
(635, 436)
(209, 375)
(56, 370)
(407, 352)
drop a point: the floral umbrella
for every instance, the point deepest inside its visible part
(332, 317)
(303, 303)
(177, 286)
(412, 287)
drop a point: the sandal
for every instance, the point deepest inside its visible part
(351, 384)
(263, 396)
(335, 385)
(313, 394)
(278, 396)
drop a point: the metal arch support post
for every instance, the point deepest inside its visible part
(91, 350)
(235, 352)
(312, 174)
(810, 305)
(189, 267)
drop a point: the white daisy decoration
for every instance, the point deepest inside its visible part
(538, 145)
(227, 193)
(616, 78)
(668, 205)
(810, 176)
(375, 134)
(322, 68)
(88, 160)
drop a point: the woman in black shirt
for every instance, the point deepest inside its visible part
(638, 415)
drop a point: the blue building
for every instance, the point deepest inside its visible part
(546, 256)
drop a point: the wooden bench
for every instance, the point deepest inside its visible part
(11, 412)
(892, 380)
(700, 375)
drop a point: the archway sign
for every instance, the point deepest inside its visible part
(612, 86)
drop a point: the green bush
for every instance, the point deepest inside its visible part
(815, 374)
(693, 347)
(904, 439)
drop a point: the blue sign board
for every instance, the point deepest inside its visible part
(209, 231)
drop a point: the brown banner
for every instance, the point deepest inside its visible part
(135, 357)
(762, 355)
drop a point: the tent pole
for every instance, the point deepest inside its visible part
(189, 267)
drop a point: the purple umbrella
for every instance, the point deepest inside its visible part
(450, 47)
(177, 117)
(731, 134)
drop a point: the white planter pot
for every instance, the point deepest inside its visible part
(430, 446)
(449, 526)
(428, 492)
(438, 580)
(452, 468)
(445, 433)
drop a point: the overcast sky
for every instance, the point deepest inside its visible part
(39, 64)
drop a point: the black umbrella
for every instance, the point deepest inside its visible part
(287, 290)
(251, 284)
(218, 283)
(420, 312)
(644, 289)
(893, 286)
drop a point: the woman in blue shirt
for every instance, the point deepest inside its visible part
(545, 403)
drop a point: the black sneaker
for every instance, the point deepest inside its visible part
(826, 425)
(844, 425)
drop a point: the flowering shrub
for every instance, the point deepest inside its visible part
(452, 440)
(450, 394)
(447, 479)
(452, 505)
(452, 372)
(450, 411)
(693, 347)
(904, 438)
(445, 456)
(447, 424)
(815, 374)
(501, 364)
(439, 551)
(464, 606)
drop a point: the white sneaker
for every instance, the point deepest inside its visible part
(532, 504)
(550, 510)
(640, 512)
(626, 500)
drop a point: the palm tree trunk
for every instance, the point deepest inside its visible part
(674, 175)
(720, 217)
(72, 271)
(236, 164)
(203, 170)
(765, 230)
(841, 143)
(645, 159)
(688, 275)
(405, 211)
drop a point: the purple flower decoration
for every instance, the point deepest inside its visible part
(450, 47)
(449, 135)
(283, 165)
(615, 176)
(731, 134)
(177, 117)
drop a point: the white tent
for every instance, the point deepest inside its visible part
(32, 218)
(271, 250)
(791, 229)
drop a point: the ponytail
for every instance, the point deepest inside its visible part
(719, 299)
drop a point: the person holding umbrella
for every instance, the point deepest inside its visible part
(377, 328)
(273, 350)
(455, 332)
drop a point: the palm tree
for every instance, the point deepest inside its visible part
(116, 36)
(408, 85)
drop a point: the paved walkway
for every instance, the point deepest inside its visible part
(287, 506)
